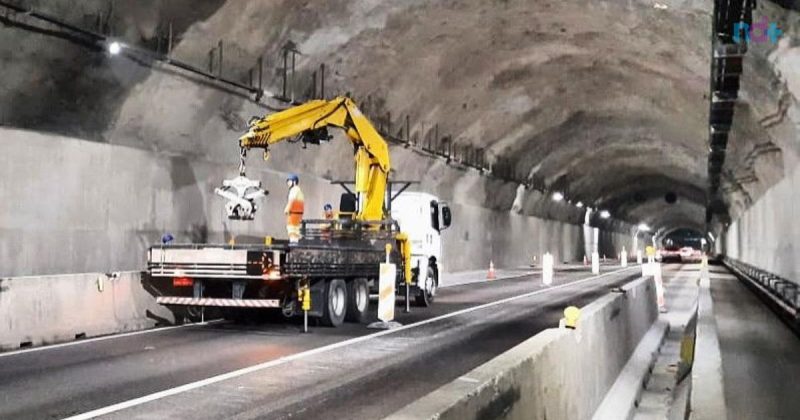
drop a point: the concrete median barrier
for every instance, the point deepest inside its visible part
(557, 374)
(52, 309)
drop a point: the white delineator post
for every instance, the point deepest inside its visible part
(654, 269)
(623, 257)
(704, 267)
(595, 263)
(659, 286)
(639, 256)
(386, 292)
(547, 269)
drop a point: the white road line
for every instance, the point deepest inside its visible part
(510, 277)
(103, 338)
(283, 360)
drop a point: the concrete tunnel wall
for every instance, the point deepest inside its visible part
(764, 234)
(70, 205)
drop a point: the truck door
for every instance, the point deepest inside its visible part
(440, 220)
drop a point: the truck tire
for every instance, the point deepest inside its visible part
(426, 290)
(357, 300)
(334, 306)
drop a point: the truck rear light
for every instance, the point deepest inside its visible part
(182, 282)
(273, 273)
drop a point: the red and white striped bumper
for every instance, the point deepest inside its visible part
(239, 303)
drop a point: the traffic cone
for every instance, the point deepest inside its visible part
(490, 275)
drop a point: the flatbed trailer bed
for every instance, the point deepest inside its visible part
(335, 264)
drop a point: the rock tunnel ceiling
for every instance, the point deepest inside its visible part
(603, 100)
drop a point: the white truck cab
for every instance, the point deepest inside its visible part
(423, 217)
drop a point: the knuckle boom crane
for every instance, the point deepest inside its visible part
(333, 258)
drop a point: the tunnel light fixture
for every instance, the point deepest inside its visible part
(579, 204)
(114, 48)
(643, 227)
(558, 196)
(604, 214)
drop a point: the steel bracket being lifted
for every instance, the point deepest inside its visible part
(241, 193)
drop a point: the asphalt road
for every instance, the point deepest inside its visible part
(289, 374)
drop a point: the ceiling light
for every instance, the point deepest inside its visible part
(114, 48)
(579, 204)
(643, 227)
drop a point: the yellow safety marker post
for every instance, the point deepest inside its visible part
(572, 315)
(406, 281)
(687, 347)
(651, 254)
(268, 240)
(304, 296)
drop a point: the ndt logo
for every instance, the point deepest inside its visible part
(761, 32)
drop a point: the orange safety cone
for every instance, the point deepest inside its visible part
(491, 275)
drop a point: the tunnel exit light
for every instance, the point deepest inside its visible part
(605, 214)
(557, 196)
(114, 48)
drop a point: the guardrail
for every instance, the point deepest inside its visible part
(782, 295)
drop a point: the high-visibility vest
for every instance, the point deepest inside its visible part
(295, 206)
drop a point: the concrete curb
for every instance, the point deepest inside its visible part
(621, 400)
(708, 390)
(558, 373)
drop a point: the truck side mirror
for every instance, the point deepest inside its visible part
(447, 217)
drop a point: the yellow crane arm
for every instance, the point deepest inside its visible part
(310, 121)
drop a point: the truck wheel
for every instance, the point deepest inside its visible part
(335, 304)
(357, 300)
(426, 291)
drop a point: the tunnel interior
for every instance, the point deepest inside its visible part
(604, 102)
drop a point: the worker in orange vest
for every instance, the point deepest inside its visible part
(295, 206)
(327, 211)
(329, 216)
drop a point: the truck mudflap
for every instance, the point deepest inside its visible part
(225, 303)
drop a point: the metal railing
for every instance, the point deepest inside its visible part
(782, 294)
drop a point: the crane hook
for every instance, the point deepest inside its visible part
(242, 157)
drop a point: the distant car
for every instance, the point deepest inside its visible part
(669, 254)
(689, 254)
